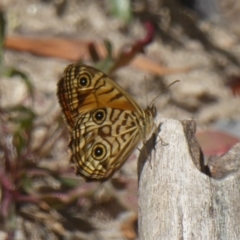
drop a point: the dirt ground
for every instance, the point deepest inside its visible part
(203, 54)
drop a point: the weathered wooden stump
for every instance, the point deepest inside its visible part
(178, 196)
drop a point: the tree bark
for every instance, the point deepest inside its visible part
(177, 198)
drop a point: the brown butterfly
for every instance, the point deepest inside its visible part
(104, 122)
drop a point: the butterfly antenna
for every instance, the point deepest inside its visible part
(164, 91)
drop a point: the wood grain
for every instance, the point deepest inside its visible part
(177, 201)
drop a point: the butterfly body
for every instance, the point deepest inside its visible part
(104, 122)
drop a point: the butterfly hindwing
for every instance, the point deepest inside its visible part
(100, 147)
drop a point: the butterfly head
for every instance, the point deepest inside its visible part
(151, 111)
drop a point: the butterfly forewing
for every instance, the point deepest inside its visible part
(83, 88)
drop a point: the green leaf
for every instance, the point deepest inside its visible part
(2, 34)
(121, 9)
(23, 117)
(107, 63)
(11, 72)
(69, 182)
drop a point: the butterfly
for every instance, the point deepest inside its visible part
(104, 122)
